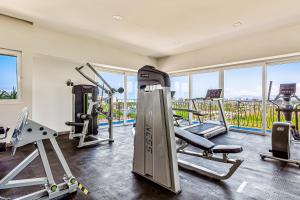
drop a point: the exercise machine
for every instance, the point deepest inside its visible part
(283, 131)
(154, 140)
(3, 136)
(87, 108)
(208, 151)
(155, 148)
(30, 132)
(207, 129)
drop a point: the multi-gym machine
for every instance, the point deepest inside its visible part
(282, 132)
(87, 106)
(30, 132)
(3, 136)
(155, 148)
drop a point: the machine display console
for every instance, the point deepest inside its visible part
(213, 94)
(287, 89)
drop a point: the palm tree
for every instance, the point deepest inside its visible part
(12, 95)
(2, 94)
(9, 95)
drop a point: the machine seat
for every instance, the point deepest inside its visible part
(194, 140)
(227, 149)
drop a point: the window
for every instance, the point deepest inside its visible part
(243, 83)
(132, 87)
(131, 97)
(201, 82)
(180, 84)
(283, 73)
(9, 76)
(243, 97)
(115, 80)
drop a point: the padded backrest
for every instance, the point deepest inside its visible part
(195, 140)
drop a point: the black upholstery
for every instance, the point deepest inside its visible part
(194, 140)
(227, 149)
(205, 144)
(73, 124)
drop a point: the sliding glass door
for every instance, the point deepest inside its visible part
(180, 85)
(131, 99)
(115, 80)
(243, 98)
(200, 83)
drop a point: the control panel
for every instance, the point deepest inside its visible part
(287, 89)
(213, 94)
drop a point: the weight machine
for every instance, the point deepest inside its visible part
(87, 107)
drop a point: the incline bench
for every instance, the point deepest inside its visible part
(208, 150)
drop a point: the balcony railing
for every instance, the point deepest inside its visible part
(240, 114)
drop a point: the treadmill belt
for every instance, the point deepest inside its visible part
(201, 128)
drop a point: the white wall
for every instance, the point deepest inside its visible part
(51, 97)
(48, 59)
(272, 43)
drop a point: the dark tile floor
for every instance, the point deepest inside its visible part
(106, 171)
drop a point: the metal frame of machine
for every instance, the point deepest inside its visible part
(282, 131)
(208, 151)
(155, 149)
(83, 136)
(27, 132)
(154, 139)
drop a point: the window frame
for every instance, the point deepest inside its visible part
(18, 55)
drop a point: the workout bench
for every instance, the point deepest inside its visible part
(208, 150)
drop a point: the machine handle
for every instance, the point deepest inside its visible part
(270, 88)
(99, 76)
(108, 91)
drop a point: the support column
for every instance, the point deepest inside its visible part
(190, 97)
(125, 99)
(264, 98)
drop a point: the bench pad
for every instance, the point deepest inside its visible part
(194, 140)
(227, 149)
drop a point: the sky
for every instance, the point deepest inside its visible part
(8, 72)
(242, 83)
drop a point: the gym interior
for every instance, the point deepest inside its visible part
(149, 99)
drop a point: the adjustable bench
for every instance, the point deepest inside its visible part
(208, 150)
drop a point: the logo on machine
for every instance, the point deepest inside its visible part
(280, 128)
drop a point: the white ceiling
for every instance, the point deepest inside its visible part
(157, 27)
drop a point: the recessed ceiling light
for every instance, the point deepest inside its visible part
(117, 17)
(237, 24)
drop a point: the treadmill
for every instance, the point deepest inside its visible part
(207, 129)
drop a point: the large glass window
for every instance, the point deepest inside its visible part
(131, 97)
(242, 94)
(279, 74)
(8, 80)
(243, 84)
(115, 80)
(180, 84)
(201, 82)
(283, 73)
